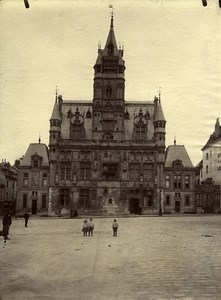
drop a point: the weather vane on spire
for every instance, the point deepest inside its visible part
(112, 15)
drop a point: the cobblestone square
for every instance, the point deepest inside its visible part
(169, 257)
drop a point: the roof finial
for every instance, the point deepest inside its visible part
(39, 139)
(56, 93)
(159, 93)
(174, 141)
(112, 15)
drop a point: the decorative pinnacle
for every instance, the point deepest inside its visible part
(39, 139)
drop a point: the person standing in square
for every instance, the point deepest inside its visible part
(115, 227)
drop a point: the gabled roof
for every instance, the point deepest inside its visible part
(39, 149)
(177, 152)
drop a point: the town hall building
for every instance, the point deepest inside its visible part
(107, 155)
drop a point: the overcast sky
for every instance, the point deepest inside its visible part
(172, 44)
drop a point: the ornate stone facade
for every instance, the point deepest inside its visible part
(107, 155)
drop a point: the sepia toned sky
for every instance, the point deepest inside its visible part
(172, 44)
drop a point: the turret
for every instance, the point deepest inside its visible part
(55, 123)
(159, 123)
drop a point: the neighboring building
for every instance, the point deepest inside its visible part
(179, 176)
(209, 174)
(208, 197)
(212, 156)
(33, 180)
(8, 187)
(107, 155)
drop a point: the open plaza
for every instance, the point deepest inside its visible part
(169, 257)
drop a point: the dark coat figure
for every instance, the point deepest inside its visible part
(26, 217)
(85, 228)
(115, 227)
(6, 222)
(90, 227)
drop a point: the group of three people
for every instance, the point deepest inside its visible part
(88, 227)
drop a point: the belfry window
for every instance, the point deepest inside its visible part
(108, 91)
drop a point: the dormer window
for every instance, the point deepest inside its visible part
(177, 166)
(36, 161)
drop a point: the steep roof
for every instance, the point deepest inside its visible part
(55, 114)
(177, 152)
(159, 116)
(39, 149)
(111, 40)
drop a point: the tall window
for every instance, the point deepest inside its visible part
(135, 171)
(45, 179)
(25, 201)
(207, 169)
(85, 197)
(187, 181)
(187, 200)
(77, 131)
(64, 197)
(65, 169)
(147, 172)
(140, 132)
(177, 181)
(44, 201)
(167, 181)
(25, 179)
(85, 171)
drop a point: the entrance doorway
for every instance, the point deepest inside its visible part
(34, 207)
(134, 206)
(177, 206)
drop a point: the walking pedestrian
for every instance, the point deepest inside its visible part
(85, 228)
(6, 222)
(115, 227)
(90, 227)
(26, 217)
